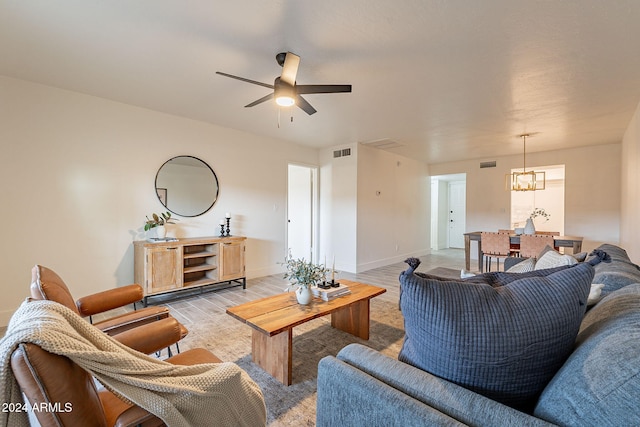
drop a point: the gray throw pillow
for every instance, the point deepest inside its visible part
(620, 272)
(600, 382)
(525, 266)
(503, 335)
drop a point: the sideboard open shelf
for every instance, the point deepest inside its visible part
(188, 264)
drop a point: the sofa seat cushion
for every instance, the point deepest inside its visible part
(620, 272)
(502, 335)
(600, 382)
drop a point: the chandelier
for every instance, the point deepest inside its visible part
(525, 180)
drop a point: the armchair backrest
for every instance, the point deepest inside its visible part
(47, 285)
(58, 383)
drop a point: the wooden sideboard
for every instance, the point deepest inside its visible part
(188, 263)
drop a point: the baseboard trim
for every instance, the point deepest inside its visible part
(392, 260)
(265, 271)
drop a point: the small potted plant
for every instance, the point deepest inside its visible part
(158, 222)
(529, 228)
(303, 274)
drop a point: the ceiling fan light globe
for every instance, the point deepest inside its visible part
(285, 101)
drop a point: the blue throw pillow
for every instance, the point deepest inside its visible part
(502, 335)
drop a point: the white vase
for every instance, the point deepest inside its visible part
(304, 295)
(529, 228)
(161, 232)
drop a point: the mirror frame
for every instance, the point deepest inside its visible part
(215, 178)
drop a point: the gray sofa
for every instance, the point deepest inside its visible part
(598, 385)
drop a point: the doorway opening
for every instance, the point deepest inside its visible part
(448, 211)
(302, 196)
(551, 199)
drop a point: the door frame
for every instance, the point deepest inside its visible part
(314, 209)
(462, 183)
(440, 209)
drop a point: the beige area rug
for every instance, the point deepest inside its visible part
(295, 405)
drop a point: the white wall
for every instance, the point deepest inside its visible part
(393, 208)
(374, 208)
(592, 191)
(77, 179)
(630, 186)
(338, 208)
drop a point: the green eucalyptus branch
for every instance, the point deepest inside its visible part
(158, 220)
(303, 273)
(539, 212)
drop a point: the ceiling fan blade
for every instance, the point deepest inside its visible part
(323, 88)
(304, 105)
(290, 68)
(260, 101)
(245, 80)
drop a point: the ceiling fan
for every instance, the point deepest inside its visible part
(285, 90)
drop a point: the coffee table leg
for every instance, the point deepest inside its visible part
(273, 354)
(353, 319)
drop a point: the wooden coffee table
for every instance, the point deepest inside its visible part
(273, 319)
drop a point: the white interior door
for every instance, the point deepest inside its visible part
(300, 208)
(457, 216)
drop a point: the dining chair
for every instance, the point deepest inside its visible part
(514, 247)
(532, 244)
(550, 233)
(494, 245)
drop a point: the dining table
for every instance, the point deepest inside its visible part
(573, 242)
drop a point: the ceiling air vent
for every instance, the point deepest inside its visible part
(382, 144)
(487, 164)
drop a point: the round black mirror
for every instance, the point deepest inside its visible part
(186, 186)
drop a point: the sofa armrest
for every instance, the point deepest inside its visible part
(109, 299)
(349, 397)
(457, 402)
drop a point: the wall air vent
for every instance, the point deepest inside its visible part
(342, 153)
(487, 164)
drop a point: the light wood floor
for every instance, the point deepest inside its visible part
(190, 308)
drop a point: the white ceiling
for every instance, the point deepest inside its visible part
(447, 79)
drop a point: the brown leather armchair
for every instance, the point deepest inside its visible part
(47, 285)
(57, 382)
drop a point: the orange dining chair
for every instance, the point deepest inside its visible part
(494, 245)
(532, 244)
(551, 233)
(514, 247)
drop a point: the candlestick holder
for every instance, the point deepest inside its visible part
(228, 229)
(221, 230)
(324, 285)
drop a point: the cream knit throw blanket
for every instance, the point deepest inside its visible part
(218, 394)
